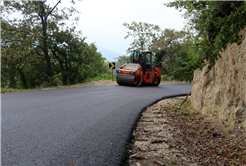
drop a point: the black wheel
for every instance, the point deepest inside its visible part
(156, 81)
(136, 81)
(144, 84)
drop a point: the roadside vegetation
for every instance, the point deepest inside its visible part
(88, 82)
(211, 26)
(39, 50)
(100, 79)
(170, 48)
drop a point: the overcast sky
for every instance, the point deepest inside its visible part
(101, 20)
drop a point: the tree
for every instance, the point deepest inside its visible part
(17, 53)
(66, 51)
(217, 23)
(24, 62)
(123, 59)
(158, 60)
(143, 34)
(167, 47)
(181, 62)
(37, 15)
(74, 59)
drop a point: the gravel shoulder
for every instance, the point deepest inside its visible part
(167, 134)
(87, 84)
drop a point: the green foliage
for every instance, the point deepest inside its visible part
(216, 23)
(220, 151)
(169, 48)
(39, 51)
(172, 161)
(11, 90)
(208, 160)
(171, 54)
(158, 60)
(157, 140)
(105, 76)
(123, 59)
(17, 53)
(74, 58)
(143, 34)
(165, 78)
(35, 24)
(181, 62)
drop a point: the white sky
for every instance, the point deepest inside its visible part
(101, 20)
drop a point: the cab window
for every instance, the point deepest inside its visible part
(148, 58)
(132, 57)
(136, 57)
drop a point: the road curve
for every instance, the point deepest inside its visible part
(74, 126)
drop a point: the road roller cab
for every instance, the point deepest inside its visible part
(139, 71)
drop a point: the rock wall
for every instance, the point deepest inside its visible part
(222, 91)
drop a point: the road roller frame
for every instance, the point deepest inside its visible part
(139, 71)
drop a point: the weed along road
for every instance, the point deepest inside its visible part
(75, 126)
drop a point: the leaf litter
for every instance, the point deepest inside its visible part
(167, 134)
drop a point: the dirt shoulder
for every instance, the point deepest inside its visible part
(87, 84)
(169, 135)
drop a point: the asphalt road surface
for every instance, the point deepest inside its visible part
(74, 126)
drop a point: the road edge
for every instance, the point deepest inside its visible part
(129, 143)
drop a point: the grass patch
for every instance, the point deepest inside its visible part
(101, 77)
(208, 160)
(172, 161)
(10, 90)
(169, 80)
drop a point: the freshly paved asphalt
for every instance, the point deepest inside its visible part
(74, 126)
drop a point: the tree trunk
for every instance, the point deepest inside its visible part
(23, 79)
(43, 17)
(47, 58)
(11, 77)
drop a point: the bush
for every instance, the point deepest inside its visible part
(166, 78)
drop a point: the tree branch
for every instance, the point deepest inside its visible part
(53, 9)
(185, 99)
